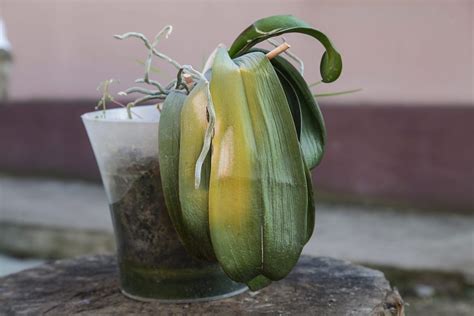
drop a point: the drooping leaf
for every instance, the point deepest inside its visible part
(312, 129)
(331, 62)
(235, 190)
(194, 216)
(258, 199)
(258, 283)
(311, 215)
(169, 151)
(284, 186)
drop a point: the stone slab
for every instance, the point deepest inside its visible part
(89, 285)
(391, 237)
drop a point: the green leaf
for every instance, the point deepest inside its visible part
(291, 97)
(235, 188)
(259, 282)
(194, 215)
(168, 143)
(311, 215)
(310, 126)
(281, 166)
(263, 29)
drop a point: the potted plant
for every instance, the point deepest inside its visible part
(210, 190)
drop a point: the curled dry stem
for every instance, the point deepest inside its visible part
(161, 93)
(142, 91)
(141, 100)
(167, 31)
(330, 94)
(177, 84)
(314, 84)
(107, 97)
(150, 46)
(153, 83)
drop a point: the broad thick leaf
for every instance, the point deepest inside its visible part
(168, 144)
(258, 194)
(258, 283)
(263, 29)
(312, 134)
(311, 215)
(291, 96)
(194, 217)
(284, 186)
(235, 189)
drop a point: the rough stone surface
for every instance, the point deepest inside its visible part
(89, 285)
(54, 203)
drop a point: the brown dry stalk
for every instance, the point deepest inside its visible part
(278, 50)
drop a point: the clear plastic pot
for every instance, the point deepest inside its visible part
(152, 262)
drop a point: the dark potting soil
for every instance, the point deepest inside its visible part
(152, 261)
(144, 233)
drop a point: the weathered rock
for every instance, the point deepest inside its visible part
(89, 285)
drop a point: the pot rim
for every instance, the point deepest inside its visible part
(119, 115)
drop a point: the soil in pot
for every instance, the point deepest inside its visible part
(152, 261)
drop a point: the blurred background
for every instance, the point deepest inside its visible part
(395, 189)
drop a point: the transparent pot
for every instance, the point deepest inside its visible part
(153, 264)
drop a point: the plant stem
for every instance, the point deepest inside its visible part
(330, 94)
(314, 84)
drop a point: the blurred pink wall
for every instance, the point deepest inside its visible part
(418, 51)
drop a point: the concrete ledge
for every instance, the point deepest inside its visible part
(52, 242)
(62, 218)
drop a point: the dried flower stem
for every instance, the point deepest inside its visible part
(141, 100)
(107, 97)
(278, 50)
(150, 46)
(161, 93)
(289, 54)
(153, 83)
(330, 94)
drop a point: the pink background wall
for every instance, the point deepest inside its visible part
(404, 52)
